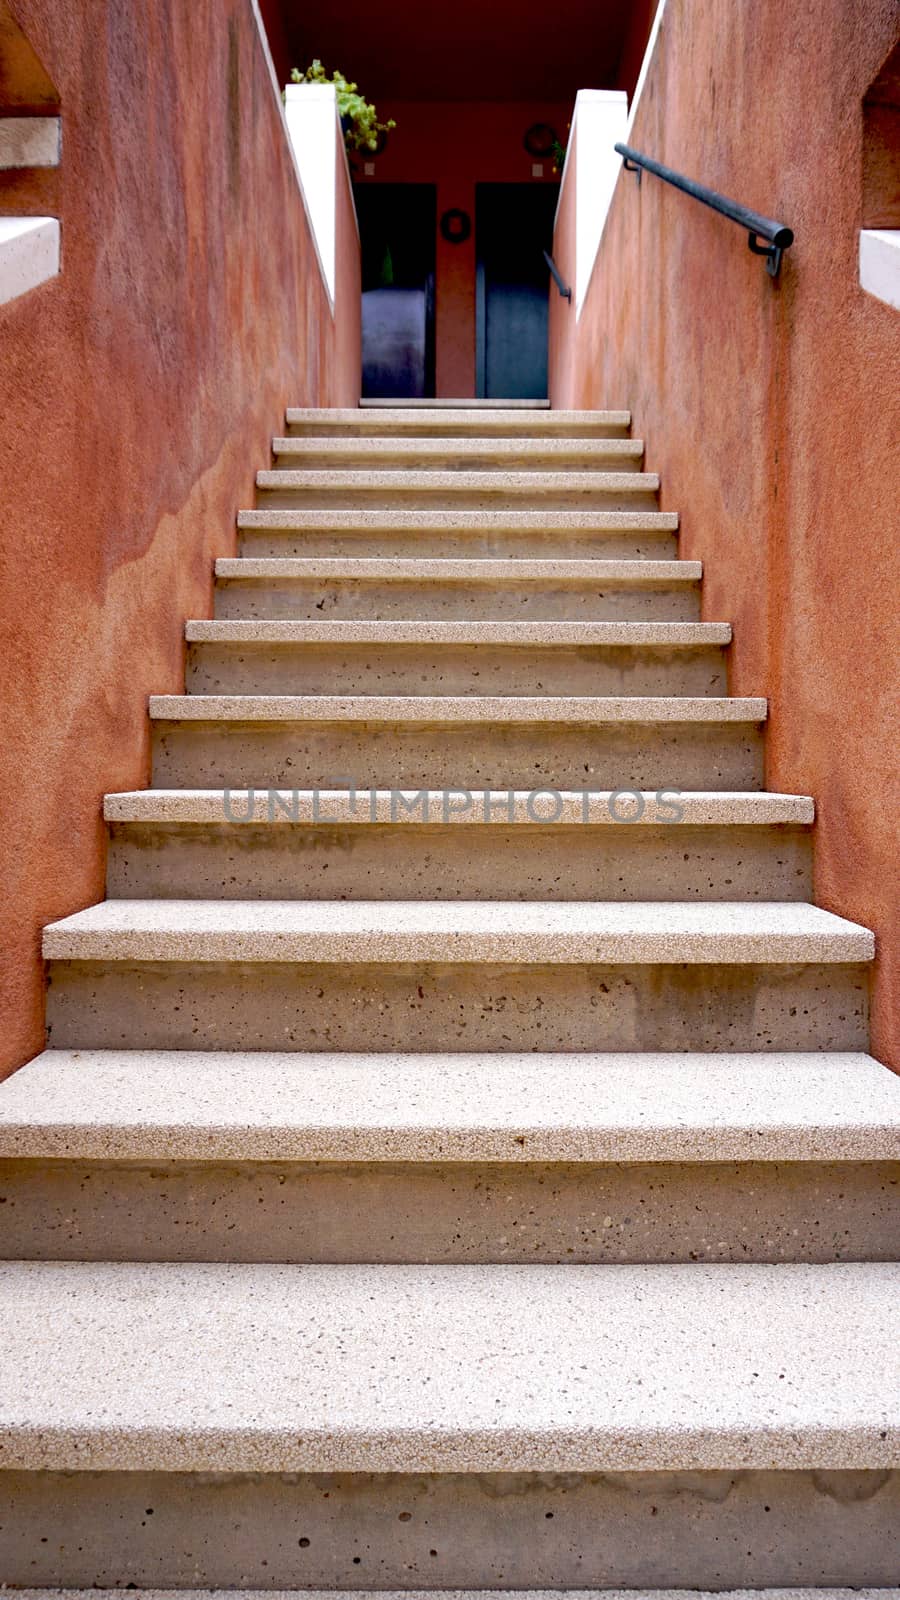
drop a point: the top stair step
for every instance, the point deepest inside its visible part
(455, 403)
(450, 420)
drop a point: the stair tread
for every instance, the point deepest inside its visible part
(459, 522)
(398, 444)
(436, 631)
(131, 1105)
(457, 708)
(451, 931)
(458, 403)
(497, 1368)
(487, 481)
(408, 420)
(451, 569)
(396, 806)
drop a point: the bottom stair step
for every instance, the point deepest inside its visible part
(425, 1429)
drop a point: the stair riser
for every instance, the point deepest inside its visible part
(470, 756)
(541, 544)
(343, 1006)
(243, 861)
(690, 1530)
(263, 668)
(319, 497)
(333, 600)
(450, 1213)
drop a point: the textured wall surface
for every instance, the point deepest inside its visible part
(138, 395)
(772, 411)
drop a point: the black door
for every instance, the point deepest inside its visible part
(397, 223)
(514, 226)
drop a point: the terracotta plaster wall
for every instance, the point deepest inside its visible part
(772, 410)
(138, 395)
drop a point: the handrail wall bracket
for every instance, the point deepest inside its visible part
(765, 237)
(772, 252)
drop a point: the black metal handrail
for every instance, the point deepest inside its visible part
(777, 236)
(558, 279)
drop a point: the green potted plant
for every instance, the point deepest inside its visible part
(363, 133)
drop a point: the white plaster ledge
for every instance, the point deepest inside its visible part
(29, 142)
(598, 122)
(29, 254)
(311, 111)
(879, 264)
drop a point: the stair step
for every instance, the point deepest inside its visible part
(489, 531)
(345, 490)
(357, 1157)
(385, 932)
(398, 451)
(453, 589)
(270, 656)
(463, 403)
(450, 569)
(133, 1105)
(325, 808)
(118, 1367)
(522, 635)
(457, 741)
(437, 709)
(187, 844)
(492, 423)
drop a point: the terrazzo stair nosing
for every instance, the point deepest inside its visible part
(258, 1106)
(486, 482)
(408, 421)
(477, 407)
(437, 709)
(388, 932)
(488, 453)
(637, 573)
(567, 635)
(448, 1369)
(464, 521)
(325, 807)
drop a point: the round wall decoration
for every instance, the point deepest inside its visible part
(540, 139)
(456, 226)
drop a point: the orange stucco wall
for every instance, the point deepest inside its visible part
(456, 145)
(772, 410)
(138, 394)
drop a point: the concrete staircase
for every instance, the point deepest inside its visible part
(456, 1164)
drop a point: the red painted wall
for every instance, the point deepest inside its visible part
(772, 411)
(457, 144)
(138, 395)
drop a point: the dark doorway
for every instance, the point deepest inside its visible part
(397, 225)
(514, 226)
